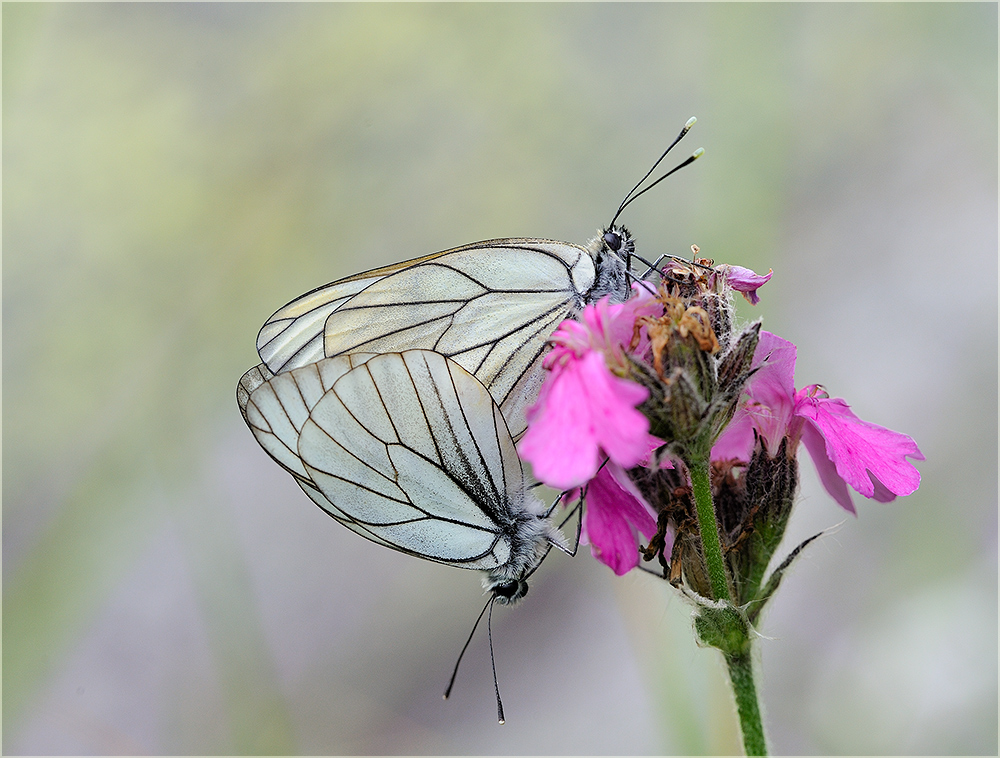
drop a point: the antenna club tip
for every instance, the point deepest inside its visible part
(698, 153)
(501, 722)
(690, 122)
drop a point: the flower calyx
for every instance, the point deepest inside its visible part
(697, 368)
(752, 502)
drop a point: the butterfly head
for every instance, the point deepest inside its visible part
(510, 591)
(618, 240)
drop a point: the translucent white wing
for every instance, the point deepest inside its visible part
(276, 407)
(489, 306)
(409, 450)
(277, 413)
(293, 336)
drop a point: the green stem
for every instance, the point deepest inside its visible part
(741, 676)
(701, 485)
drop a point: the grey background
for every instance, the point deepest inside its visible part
(174, 173)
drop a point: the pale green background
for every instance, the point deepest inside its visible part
(174, 173)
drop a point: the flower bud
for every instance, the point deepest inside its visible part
(699, 368)
(752, 504)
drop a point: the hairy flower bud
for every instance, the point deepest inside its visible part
(699, 368)
(752, 504)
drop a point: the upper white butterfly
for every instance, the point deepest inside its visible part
(489, 306)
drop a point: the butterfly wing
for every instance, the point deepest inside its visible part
(293, 336)
(278, 411)
(409, 450)
(489, 306)
(276, 406)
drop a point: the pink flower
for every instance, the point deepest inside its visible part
(605, 327)
(614, 515)
(770, 404)
(583, 408)
(745, 281)
(871, 458)
(845, 449)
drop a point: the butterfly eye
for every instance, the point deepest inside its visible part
(613, 240)
(511, 590)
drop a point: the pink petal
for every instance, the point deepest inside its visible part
(582, 408)
(570, 339)
(560, 443)
(737, 439)
(772, 388)
(770, 401)
(653, 444)
(882, 493)
(611, 519)
(826, 469)
(861, 452)
(642, 303)
(746, 281)
(610, 326)
(620, 429)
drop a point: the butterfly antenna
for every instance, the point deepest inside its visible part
(632, 195)
(451, 682)
(691, 159)
(496, 684)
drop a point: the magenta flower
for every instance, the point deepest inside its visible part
(614, 515)
(583, 408)
(845, 449)
(744, 280)
(605, 327)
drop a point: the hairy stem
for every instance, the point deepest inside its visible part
(741, 676)
(702, 488)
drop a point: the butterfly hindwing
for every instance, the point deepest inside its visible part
(276, 407)
(407, 449)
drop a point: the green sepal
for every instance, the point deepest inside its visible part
(774, 581)
(724, 626)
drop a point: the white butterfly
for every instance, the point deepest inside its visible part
(489, 306)
(410, 451)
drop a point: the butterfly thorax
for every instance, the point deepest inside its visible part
(530, 534)
(610, 250)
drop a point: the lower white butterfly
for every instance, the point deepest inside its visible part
(410, 451)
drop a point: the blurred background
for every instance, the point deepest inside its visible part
(175, 173)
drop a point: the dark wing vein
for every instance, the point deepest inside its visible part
(496, 495)
(481, 499)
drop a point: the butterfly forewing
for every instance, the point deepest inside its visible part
(293, 336)
(490, 306)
